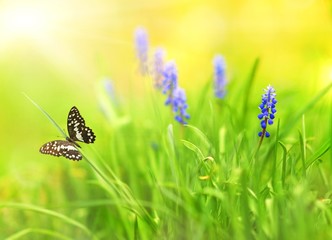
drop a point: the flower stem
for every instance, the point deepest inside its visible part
(260, 139)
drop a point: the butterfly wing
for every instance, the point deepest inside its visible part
(61, 148)
(76, 127)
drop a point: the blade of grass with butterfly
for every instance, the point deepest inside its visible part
(47, 115)
(77, 131)
(115, 187)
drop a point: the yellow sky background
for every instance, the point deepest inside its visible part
(86, 40)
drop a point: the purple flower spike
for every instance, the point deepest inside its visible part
(268, 110)
(158, 67)
(219, 76)
(109, 88)
(180, 105)
(142, 47)
(170, 81)
(176, 96)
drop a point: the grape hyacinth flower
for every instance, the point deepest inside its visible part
(158, 67)
(170, 81)
(142, 47)
(180, 105)
(268, 110)
(110, 90)
(219, 76)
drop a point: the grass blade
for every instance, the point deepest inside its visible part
(248, 88)
(50, 213)
(47, 115)
(302, 150)
(283, 168)
(46, 232)
(290, 124)
(319, 153)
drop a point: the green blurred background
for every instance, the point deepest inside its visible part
(57, 52)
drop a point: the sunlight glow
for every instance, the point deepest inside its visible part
(326, 73)
(54, 30)
(24, 22)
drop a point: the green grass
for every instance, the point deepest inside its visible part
(147, 177)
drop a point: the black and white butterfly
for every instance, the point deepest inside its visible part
(77, 132)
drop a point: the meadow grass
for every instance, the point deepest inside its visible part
(153, 178)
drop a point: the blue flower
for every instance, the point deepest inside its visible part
(180, 105)
(170, 81)
(176, 96)
(142, 47)
(108, 85)
(219, 76)
(268, 110)
(158, 67)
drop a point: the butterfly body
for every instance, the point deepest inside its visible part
(72, 141)
(77, 131)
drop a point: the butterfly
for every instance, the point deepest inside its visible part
(77, 131)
